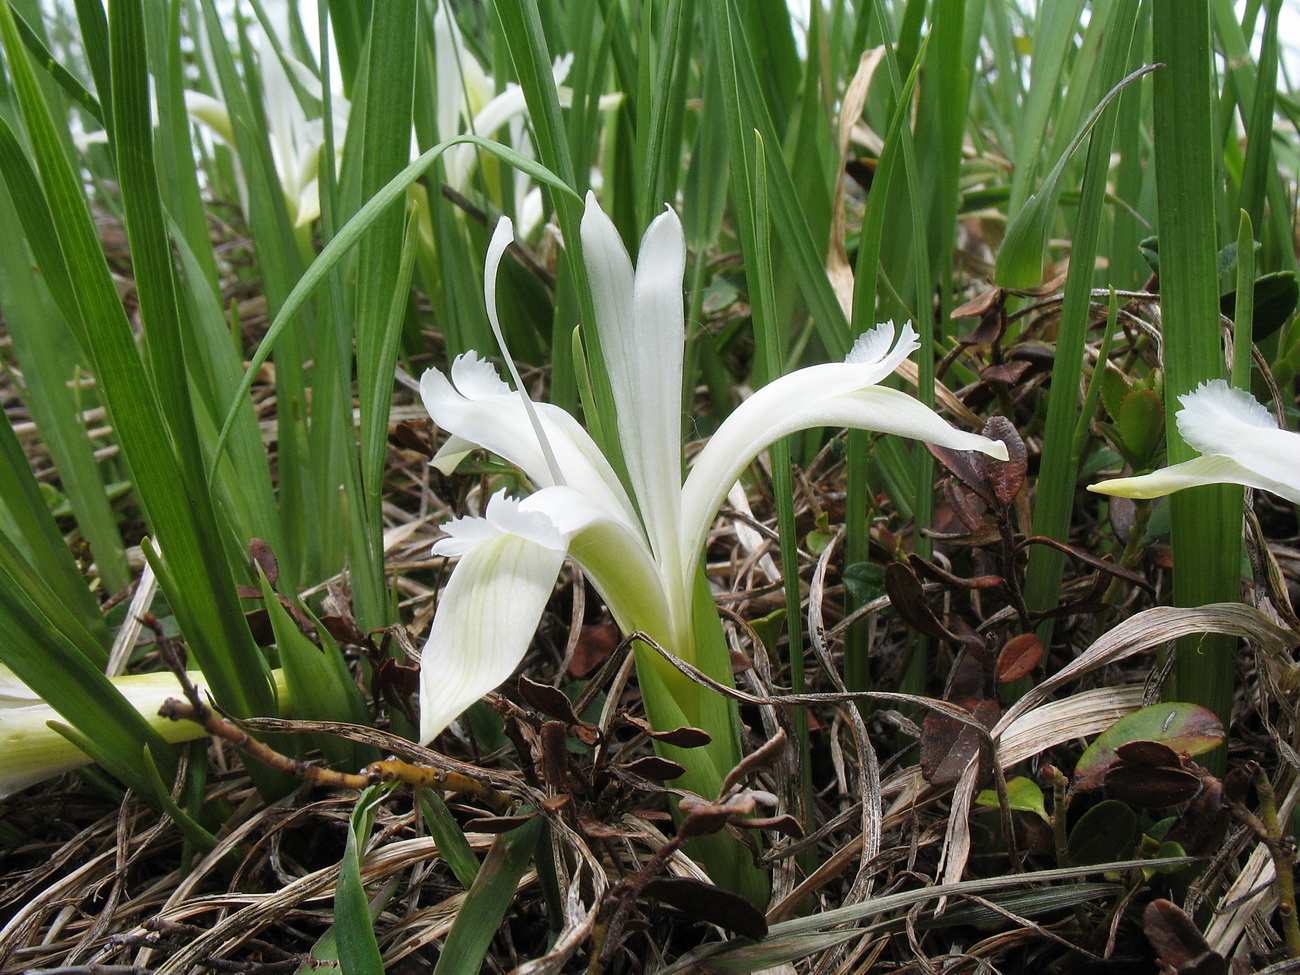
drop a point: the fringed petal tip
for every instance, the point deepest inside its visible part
(504, 516)
(875, 355)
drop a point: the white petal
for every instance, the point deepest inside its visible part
(451, 453)
(614, 557)
(878, 353)
(1217, 419)
(641, 323)
(212, 113)
(1199, 471)
(307, 206)
(484, 623)
(481, 410)
(500, 110)
(504, 516)
(810, 397)
(560, 68)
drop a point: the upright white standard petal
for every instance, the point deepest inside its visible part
(838, 394)
(489, 610)
(1239, 441)
(642, 329)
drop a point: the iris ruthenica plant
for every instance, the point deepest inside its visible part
(639, 543)
(1239, 442)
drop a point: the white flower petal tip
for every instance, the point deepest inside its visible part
(486, 617)
(993, 448)
(504, 516)
(1239, 441)
(875, 345)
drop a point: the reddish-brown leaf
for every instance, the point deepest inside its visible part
(960, 463)
(683, 737)
(547, 700)
(414, 435)
(978, 305)
(655, 769)
(1005, 372)
(595, 644)
(1150, 788)
(1177, 941)
(908, 598)
(1153, 754)
(261, 554)
(555, 754)
(1005, 477)
(765, 756)
(1019, 657)
(947, 745)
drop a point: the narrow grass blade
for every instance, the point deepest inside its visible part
(358, 950)
(350, 235)
(488, 900)
(1244, 316)
(1054, 500)
(381, 124)
(48, 356)
(1206, 521)
(204, 598)
(446, 832)
(65, 79)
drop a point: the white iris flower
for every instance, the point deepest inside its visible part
(1239, 442)
(640, 550)
(31, 751)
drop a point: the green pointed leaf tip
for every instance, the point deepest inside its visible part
(1023, 795)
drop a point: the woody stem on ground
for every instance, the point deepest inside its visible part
(1283, 852)
(1060, 811)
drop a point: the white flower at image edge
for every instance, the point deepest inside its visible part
(641, 555)
(1239, 442)
(31, 751)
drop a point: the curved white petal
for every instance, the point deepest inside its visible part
(878, 355)
(484, 622)
(811, 397)
(1199, 471)
(560, 68)
(614, 557)
(641, 324)
(1218, 419)
(451, 453)
(504, 516)
(481, 410)
(307, 206)
(210, 112)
